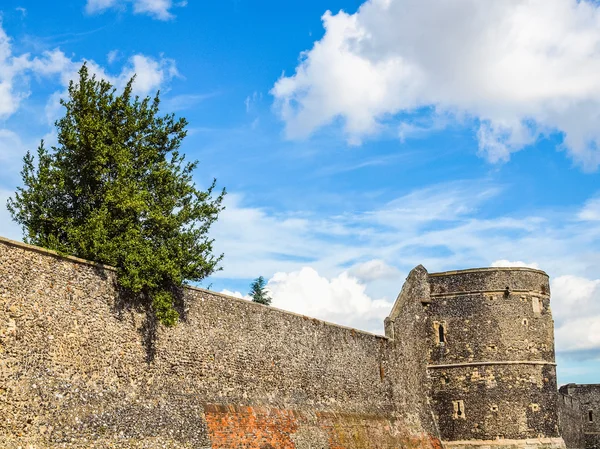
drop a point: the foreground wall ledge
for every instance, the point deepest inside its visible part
(504, 443)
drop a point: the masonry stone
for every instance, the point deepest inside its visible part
(580, 411)
(467, 360)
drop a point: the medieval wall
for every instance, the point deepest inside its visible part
(570, 418)
(588, 396)
(80, 368)
(491, 356)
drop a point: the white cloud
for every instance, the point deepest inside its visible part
(12, 150)
(516, 263)
(518, 68)
(235, 294)
(8, 228)
(372, 270)
(591, 210)
(10, 67)
(159, 9)
(341, 299)
(151, 74)
(576, 309)
(575, 297)
(438, 226)
(112, 56)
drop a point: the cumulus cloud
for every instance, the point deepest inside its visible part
(235, 294)
(10, 67)
(373, 270)
(151, 73)
(515, 69)
(591, 211)
(158, 9)
(576, 310)
(341, 299)
(516, 263)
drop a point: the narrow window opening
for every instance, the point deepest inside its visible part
(459, 409)
(439, 329)
(591, 416)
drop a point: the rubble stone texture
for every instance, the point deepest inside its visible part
(467, 361)
(581, 409)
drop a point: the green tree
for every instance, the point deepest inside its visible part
(259, 292)
(116, 190)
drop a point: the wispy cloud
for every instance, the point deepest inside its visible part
(186, 101)
(439, 226)
(158, 9)
(8, 228)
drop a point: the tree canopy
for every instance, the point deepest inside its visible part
(258, 291)
(116, 190)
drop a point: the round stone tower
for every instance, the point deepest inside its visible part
(491, 357)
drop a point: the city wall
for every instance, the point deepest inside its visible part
(82, 368)
(570, 417)
(585, 399)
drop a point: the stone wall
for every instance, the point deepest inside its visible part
(570, 419)
(588, 396)
(491, 356)
(81, 368)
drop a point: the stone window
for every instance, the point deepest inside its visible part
(459, 409)
(440, 332)
(494, 408)
(591, 416)
(525, 322)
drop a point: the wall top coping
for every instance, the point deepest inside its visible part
(287, 312)
(55, 254)
(488, 269)
(48, 252)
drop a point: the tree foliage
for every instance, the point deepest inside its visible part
(116, 190)
(259, 292)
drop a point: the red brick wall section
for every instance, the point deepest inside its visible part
(234, 427)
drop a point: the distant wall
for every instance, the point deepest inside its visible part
(570, 418)
(79, 369)
(588, 396)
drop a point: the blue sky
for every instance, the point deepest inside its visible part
(356, 143)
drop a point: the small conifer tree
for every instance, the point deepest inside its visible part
(259, 292)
